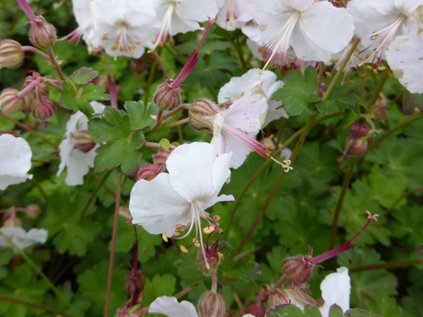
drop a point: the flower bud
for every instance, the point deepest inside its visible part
(278, 297)
(150, 171)
(256, 309)
(161, 156)
(10, 101)
(11, 54)
(202, 113)
(166, 96)
(137, 65)
(356, 147)
(211, 304)
(12, 222)
(297, 269)
(44, 109)
(294, 295)
(379, 109)
(134, 282)
(359, 129)
(82, 141)
(29, 101)
(32, 210)
(42, 34)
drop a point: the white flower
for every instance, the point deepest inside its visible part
(76, 161)
(336, 289)
(379, 22)
(170, 307)
(255, 78)
(181, 16)
(179, 198)
(15, 160)
(235, 128)
(405, 57)
(123, 27)
(21, 238)
(233, 14)
(314, 29)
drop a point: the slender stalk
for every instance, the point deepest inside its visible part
(238, 49)
(34, 266)
(304, 132)
(113, 245)
(403, 196)
(149, 83)
(158, 60)
(345, 185)
(387, 265)
(172, 125)
(158, 120)
(34, 50)
(344, 63)
(379, 86)
(55, 64)
(13, 299)
(186, 290)
(93, 195)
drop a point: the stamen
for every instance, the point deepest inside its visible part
(286, 164)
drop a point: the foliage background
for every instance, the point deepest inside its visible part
(385, 262)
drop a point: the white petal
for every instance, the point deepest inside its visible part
(336, 289)
(15, 160)
(225, 143)
(191, 10)
(78, 164)
(170, 307)
(405, 57)
(22, 238)
(190, 167)
(157, 207)
(328, 27)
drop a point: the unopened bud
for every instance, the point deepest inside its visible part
(297, 269)
(137, 65)
(32, 210)
(211, 304)
(29, 101)
(10, 101)
(202, 114)
(161, 156)
(379, 109)
(166, 96)
(149, 171)
(44, 109)
(83, 141)
(11, 54)
(278, 297)
(356, 147)
(294, 296)
(256, 309)
(134, 282)
(359, 129)
(12, 222)
(42, 34)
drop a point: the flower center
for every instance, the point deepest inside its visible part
(125, 41)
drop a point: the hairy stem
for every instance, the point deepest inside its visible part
(113, 245)
(56, 65)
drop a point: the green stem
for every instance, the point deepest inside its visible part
(149, 83)
(387, 265)
(306, 129)
(113, 245)
(345, 185)
(403, 196)
(53, 311)
(36, 269)
(379, 86)
(238, 49)
(55, 64)
(93, 195)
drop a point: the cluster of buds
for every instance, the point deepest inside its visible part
(212, 304)
(150, 170)
(11, 54)
(357, 144)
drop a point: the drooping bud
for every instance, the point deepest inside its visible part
(29, 101)
(11, 54)
(359, 129)
(277, 297)
(297, 269)
(166, 96)
(149, 171)
(42, 34)
(356, 147)
(202, 114)
(211, 304)
(83, 141)
(44, 109)
(380, 109)
(32, 210)
(10, 101)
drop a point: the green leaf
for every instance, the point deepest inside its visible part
(83, 75)
(298, 91)
(141, 115)
(335, 311)
(159, 285)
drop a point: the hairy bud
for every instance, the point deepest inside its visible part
(44, 109)
(297, 269)
(356, 147)
(211, 304)
(149, 171)
(278, 297)
(380, 109)
(166, 96)
(83, 141)
(359, 129)
(10, 101)
(202, 113)
(42, 34)
(11, 54)
(295, 296)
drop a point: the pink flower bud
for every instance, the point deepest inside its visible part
(202, 113)
(293, 295)
(42, 34)
(11, 54)
(44, 109)
(379, 109)
(359, 129)
(166, 96)
(134, 282)
(83, 141)
(32, 210)
(161, 156)
(356, 147)
(211, 304)
(149, 171)
(297, 269)
(256, 309)
(10, 101)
